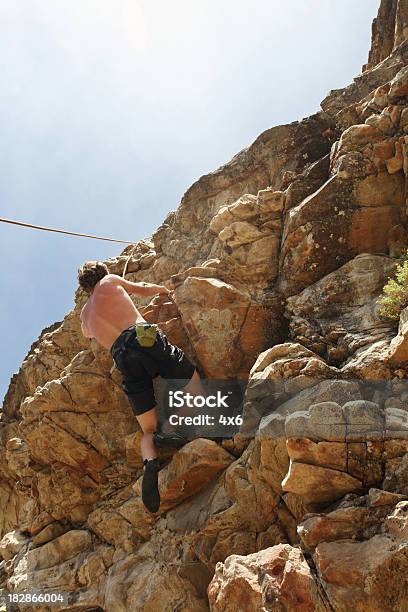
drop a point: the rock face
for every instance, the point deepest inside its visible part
(389, 30)
(276, 261)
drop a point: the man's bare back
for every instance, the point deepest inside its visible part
(109, 309)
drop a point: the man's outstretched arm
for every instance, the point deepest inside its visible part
(142, 288)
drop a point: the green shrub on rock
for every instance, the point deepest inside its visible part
(395, 292)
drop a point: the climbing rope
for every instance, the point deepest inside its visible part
(127, 261)
(60, 231)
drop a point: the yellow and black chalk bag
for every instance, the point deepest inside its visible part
(146, 334)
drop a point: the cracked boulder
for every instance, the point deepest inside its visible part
(360, 551)
(339, 313)
(275, 578)
(249, 236)
(225, 326)
(354, 212)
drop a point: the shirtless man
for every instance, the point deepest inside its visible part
(111, 318)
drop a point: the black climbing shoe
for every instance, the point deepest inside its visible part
(150, 485)
(169, 440)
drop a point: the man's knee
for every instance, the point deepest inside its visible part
(148, 421)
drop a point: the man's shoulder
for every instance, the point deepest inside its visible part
(109, 284)
(110, 280)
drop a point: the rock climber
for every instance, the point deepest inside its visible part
(141, 352)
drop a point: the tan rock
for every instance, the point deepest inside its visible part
(279, 352)
(322, 421)
(199, 271)
(274, 576)
(384, 150)
(345, 320)
(11, 543)
(80, 413)
(93, 567)
(318, 485)
(255, 168)
(58, 550)
(249, 232)
(254, 262)
(378, 497)
(270, 201)
(218, 319)
(192, 468)
(396, 523)
(138, 582)
(326, 454)
(18, 456)
(124, 528)
(385, 33)
(63, 492)
(396, 163)
(274, 457)
(396, 423)
(53, 350)
(365, 420)
(363, 574)
(313, 247)
(399, 85)
(245, 208)
(70, 573)
(133, 452)
(381, 122)
(369, 361)
(357, 137)
(396, 473)
(50, 532)
(379, 190)
(309, 181)
(404, 120)
(213, 313)
(240, 232)
(341, 524)
(380, 97)
(398, 349)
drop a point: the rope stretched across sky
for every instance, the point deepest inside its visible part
(60, 231)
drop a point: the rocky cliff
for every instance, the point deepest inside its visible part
(277, 260)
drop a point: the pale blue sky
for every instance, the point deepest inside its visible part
(110, 109)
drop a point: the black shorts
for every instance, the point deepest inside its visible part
(140, 364)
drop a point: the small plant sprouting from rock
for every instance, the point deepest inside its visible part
(395, 293)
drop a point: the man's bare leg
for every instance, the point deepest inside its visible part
(148, 424)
